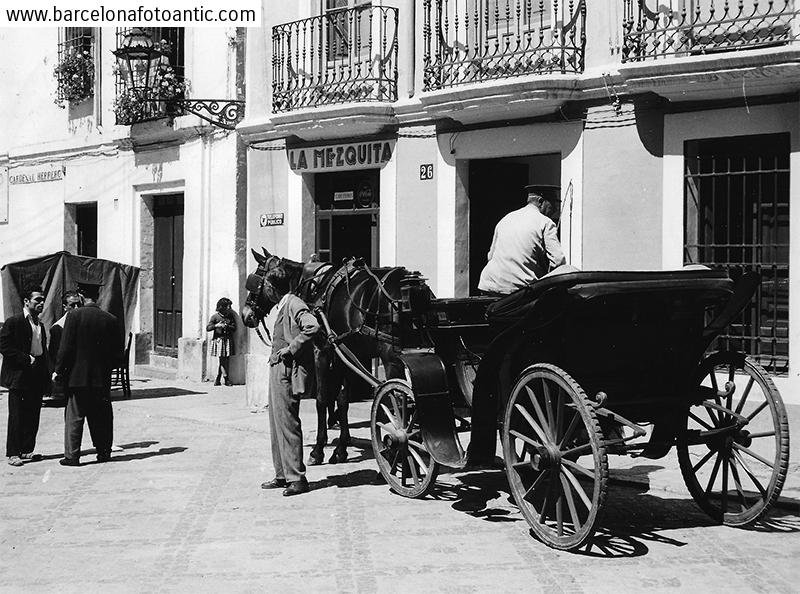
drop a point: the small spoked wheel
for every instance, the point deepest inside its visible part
(403, 458)
(555, 460)
(734, 453)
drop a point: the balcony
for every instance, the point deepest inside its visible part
(473, 41)
(344, 56)
(656, 29)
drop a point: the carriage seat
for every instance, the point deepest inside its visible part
(547, 294)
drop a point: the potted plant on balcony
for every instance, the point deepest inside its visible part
(137, 104)
(74, 74)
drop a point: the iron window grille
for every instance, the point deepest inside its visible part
(666, 28)
(346, 54)
(737, 218)
(174, 37)
(470, 41)
(74, 40)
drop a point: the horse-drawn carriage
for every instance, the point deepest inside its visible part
(571, 369)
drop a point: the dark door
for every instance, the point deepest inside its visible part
(496, 187)
(347, 215)
(168, 272)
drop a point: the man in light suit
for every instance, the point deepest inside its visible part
(23, 344)
(525, 246)
(91, 345)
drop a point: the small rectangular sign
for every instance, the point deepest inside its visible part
(273, 219)
(426, 171)
(343, 196)
(39, 174)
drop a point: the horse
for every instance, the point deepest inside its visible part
(359, 307)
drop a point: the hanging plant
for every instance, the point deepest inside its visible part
(74, 76)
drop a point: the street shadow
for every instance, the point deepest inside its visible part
(150, 393)
(479, 494)
(145, 455)
(779, 520)
(356, 478)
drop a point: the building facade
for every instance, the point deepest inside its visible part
(90, 169)
(403, 131)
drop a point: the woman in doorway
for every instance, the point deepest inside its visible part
(222, 323)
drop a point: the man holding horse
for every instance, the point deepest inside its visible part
(289, 379)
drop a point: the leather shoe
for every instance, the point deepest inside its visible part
(15, 461)
(69, 462)
(104, 457)
(31, 456)
(296, 488)
(276, 483)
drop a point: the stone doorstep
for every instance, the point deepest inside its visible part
(154, 372)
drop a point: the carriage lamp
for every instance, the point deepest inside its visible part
(149, 79)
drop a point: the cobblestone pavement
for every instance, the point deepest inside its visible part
(179, 509)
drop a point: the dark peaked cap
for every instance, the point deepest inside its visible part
(546, 191)
(91, 290)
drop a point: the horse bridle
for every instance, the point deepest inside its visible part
(255, 285)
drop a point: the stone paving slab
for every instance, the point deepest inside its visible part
(179, 509)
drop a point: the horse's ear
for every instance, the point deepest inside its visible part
(266, 253)
(259, 258)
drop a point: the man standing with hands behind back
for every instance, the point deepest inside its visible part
(23, 344)
(91, 345)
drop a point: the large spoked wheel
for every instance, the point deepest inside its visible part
(734, 453)
(402, 457)
(556, 463)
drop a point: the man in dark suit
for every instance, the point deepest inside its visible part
(23, 344)
(91, 345)
(69, 301)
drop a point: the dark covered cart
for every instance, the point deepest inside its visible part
(575, 368)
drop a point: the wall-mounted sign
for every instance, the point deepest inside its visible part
(343, 196)
(273, 219)
(341, 157)
(35, 175)
(426, 171)
(3, 194)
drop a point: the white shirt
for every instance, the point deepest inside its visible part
(525, 247)
(36, 341)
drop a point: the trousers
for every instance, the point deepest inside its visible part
(24, 409)
(93, 405)
(286, 433)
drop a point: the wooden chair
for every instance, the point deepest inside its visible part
(120, 376)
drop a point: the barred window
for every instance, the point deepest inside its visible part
(74, 41)
(174, 38)
(737, 218)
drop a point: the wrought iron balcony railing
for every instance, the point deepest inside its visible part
(666, 28)
(342, 56)
(470, 41)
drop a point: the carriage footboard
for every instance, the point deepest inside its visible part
(435, 408)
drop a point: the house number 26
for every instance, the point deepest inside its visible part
(426, 171)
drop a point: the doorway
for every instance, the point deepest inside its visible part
(167, 272)
(347, 215)
(497, 187)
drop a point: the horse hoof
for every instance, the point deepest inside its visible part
(338, 457)
(315, 459)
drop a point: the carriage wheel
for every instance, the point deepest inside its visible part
(403, 458)
(734, 453)
(556, 463)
